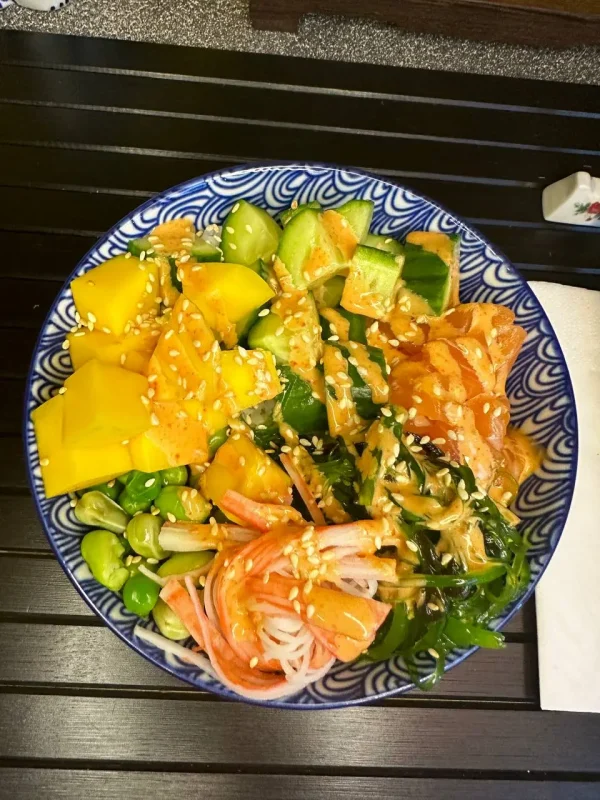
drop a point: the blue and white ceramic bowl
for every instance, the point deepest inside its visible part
(539, 389)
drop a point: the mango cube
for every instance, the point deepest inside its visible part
(173, 439)
(228, 291)
(238, 465)
(131, 351)
(103, 405)
(253, 380)
(116, 293)
(67, 469)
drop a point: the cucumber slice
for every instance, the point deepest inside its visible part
(204, 251)
(431, 268)
(264, 335)
(173, 277)
(384, 243)
(244, 325)
(370, 287)
(249, 234)
(138, 246)
(290, 213)
(329, 295)
(359, 214)
(306, 250)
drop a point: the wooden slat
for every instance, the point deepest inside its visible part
(217, 733)
(12, 464)
(67, 654)
(26, 302)
(276, 105)
(13, 393)
(55, 51)
(16, 352)
(237, 139)
(22, 784)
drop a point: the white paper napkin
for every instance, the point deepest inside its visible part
(568, 595)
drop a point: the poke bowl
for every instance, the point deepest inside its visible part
(488, 456)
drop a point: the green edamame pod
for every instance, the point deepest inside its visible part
(180, 563)
(142, 535)
(102, 551)
(140, 594)
(98, 510)
(216, 439)
(140, 490)
(182, 504)
(168, 622)
(124, 478)
(174, 476)
(111, 489)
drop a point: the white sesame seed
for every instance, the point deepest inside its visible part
(171, 517)
(496, 412)
(44, 462)
(433, 653)
(233, 246)
(253, 662)
(446, 559)
(386, 412)
(412, 546)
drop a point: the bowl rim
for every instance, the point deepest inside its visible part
(267, 166)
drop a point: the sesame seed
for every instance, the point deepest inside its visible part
(44, 462)
(412, 412)
(248, 565)
(486, 408)
(296, 606)
(506, 497)
(310, 610)
(253, 662)
(65, 345)
(293, 593)
(386, 412)
(433, 653)
(452, 435)
(446, 559)
(233, 246)
(412, 546)
(149, 482)
(154, 419)
(496, 412)
(171, 517)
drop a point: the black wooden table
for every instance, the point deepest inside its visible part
(88, 130)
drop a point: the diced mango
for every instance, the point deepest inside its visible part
(243, 467)
(186, 359)
(67, 469)
(131, 352)
(116, 293)
(173, 236)
(103, 405)
(177, 439)
(253, 380)
(224, 290)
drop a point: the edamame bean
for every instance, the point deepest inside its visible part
(183, 504)
(140, 594)
(98, 510)
(111, 489)
(140, 490)
(174, 476)
(102, 551)
(168, 622)
(142, 535)
(216, 440)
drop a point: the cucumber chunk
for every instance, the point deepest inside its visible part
(384, 243)
(431, 268)
(371, 284)
(264, 335)
(289, 214)
(329, 295)
(138, 246)
(359, 214)
(249, 234)
(307, 251)
(202, 250)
